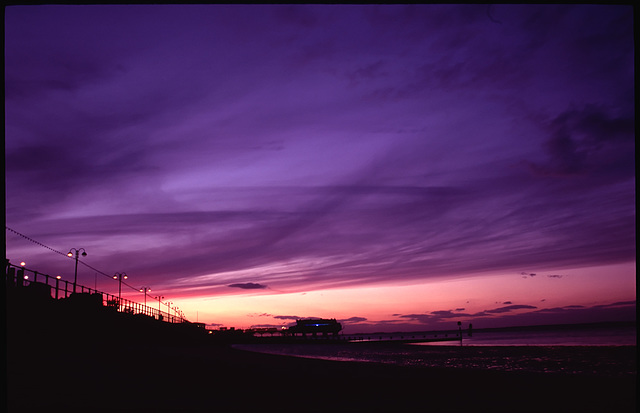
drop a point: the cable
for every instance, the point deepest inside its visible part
(66, 255)
(62, 253)
(95, 269)
(34, 241)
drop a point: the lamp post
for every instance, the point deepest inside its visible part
(77, 253)
(57, 285)
(160, 297)
(144, 290)
(119, 276)
(169, 310)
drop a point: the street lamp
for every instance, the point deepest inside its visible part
(144, 290)
(119, 276)
(70, 254)
(160, 297)
(57, 285)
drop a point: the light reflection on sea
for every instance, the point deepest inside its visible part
(597, 360)
(566, 351)
(576, 335)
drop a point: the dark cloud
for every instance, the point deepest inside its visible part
(266, 326)
(260, 315)
(248, 286)
(572, 314)
(523, 315)
(508, 308)
(353, 320)
(287, 317)
(439, 316)
(618, 304)
(433, 317)
(590, 141)
(419, 142)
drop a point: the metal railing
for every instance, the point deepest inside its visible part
(58, 289)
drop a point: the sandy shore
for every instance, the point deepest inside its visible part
(609, 361)
(220, 379)
(104, 364)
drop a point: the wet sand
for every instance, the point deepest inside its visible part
(609, 361)
(180, 378)
(103, 364)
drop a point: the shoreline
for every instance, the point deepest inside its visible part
(599, 361)
(102, 362)
(205, 377)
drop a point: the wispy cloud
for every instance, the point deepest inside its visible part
(502, 316)
(248, 286)
(292, 148)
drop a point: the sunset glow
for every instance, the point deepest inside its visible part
(396, 167)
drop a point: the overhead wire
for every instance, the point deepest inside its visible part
(82, 262)
(66, 255)
(34, 241)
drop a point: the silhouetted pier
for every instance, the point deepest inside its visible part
(32, 285)
(75, 353)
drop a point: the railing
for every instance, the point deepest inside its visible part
(58, 289)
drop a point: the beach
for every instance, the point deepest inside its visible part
(600, 361)
(60, 359)
(217, 378)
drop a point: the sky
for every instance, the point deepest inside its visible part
(396, 167)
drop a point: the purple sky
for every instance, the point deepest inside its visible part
(220, 150)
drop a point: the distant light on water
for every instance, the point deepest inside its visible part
(605, 350)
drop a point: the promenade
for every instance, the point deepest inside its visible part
(64, 358)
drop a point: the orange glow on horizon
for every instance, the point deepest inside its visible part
(384, 303)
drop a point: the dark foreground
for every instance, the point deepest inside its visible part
(111, 364)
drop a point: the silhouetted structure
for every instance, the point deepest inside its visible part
(316, 326)
(71, 352)
(23, 284)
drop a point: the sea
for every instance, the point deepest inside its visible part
(605, 349)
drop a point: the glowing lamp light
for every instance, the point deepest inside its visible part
(23, 263)
(70, 254)
(84, 253)
(26, 277)
(58, 277)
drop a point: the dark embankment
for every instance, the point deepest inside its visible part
(63, 359)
